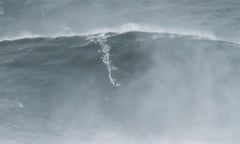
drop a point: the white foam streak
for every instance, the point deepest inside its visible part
(105, 52)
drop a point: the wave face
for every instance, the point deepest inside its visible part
(119, 88)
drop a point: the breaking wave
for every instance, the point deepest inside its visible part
(67, 89)
(121, 29)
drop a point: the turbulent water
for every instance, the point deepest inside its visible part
(119, 72)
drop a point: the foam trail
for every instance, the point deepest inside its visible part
(105, 51)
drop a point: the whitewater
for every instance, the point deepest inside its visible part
(119, 72)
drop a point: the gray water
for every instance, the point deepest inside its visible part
(119, 72)
(58, 17)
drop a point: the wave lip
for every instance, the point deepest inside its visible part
(152, 29)
(119, 29)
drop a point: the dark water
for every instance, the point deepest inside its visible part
(119, 72)
(174, 89)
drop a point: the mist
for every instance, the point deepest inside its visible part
(60, 17)
(119, 72)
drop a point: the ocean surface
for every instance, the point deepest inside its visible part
(119, 72)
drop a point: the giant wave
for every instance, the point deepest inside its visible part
(129, 87)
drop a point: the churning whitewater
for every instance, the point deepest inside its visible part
(119, 72)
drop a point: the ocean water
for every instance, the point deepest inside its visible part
(119, 72)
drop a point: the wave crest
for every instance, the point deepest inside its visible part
(119, 29)
(152, 29)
